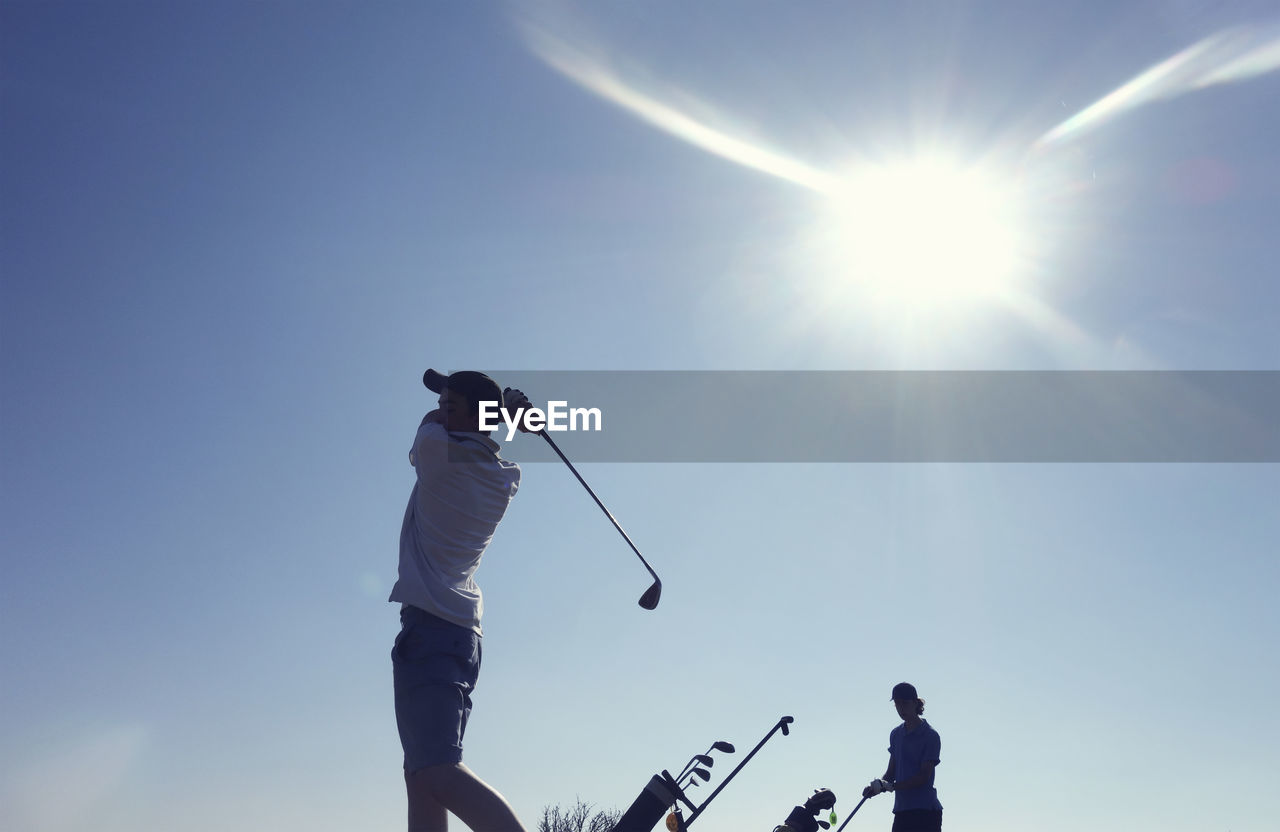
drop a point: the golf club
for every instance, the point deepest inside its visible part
(781, 725)
(804, 818)
(704, 759)
(435, 382)
(664, 791)
(688, 778)
(851, 814)
(651, 595)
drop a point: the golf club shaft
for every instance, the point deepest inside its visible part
(851, 814)
(606, 511)
(784, 721)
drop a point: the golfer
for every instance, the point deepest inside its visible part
(914, 749)
(462, 490)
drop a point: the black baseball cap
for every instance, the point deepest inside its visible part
(475, 386)
(904, 690)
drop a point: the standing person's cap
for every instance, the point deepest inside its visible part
(904, 690)
(476, 387)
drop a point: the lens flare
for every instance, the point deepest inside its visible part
(1226, 57)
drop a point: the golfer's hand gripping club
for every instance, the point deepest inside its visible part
(876, 787)
(515, 403)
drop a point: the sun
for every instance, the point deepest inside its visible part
(924, 232)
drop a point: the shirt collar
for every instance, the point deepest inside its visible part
(911, 730)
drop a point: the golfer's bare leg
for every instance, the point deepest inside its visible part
(425, 814)
(435, 790)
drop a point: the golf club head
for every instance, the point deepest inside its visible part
(784, 722)
(705, 760)
(703, 773)
(723, 747)
(651, 596)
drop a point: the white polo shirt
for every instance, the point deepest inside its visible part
(463, 490)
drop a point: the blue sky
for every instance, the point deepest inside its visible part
(233, 235)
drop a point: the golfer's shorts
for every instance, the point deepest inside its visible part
(917, 820)
(435, 665)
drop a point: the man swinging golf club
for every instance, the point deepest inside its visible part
(914, 751)
(461, 492)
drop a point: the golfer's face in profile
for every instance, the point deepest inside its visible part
(906, 707)
(456, 411)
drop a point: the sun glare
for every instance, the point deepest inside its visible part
(923, 232)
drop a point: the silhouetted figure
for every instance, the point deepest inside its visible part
(914, 752)
(462, 490)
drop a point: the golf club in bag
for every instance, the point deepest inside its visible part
(804, 818)
(665, 793)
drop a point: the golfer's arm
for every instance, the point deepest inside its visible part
(430, 445)
(919, 778)
(888, 772)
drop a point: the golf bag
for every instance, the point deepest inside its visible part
(659, 795)
(664, 792)
(804, 818)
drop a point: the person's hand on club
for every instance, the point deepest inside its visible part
(516, 403)
(876, 787)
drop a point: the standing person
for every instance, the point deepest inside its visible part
(462, 490)
(914, 752)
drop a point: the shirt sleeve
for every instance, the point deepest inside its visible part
(436, 453)
(433, 450)
(429, 446)
(933, 748)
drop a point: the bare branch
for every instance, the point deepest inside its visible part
(577, 818)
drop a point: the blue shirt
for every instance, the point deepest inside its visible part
(911, 750)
